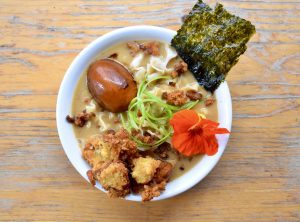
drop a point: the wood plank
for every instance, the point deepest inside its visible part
(257, 179)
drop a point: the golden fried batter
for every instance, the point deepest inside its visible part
(179, 68)
(144, 169)
(158, 183)
(163, 172)
(177, 97)
(153, 190)
(121, 143)
(109, 147)
(113, 176)
(114, 155)
(97, 151)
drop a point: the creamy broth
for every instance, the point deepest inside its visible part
(82, 98)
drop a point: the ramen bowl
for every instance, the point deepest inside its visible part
(64, 107)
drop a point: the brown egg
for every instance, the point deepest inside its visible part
(111, 85)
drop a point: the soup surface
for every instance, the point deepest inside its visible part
(105, 120)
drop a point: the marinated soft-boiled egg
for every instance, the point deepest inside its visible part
(111, 85)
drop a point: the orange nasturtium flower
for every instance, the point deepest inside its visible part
(194, 134)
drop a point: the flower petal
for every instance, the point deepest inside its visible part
(186, 148)
(196, 146)
(209, 123)
(212, 146)
(179, 139)
(194, 135)
(221, 131)
(199, 143)
(183, 120)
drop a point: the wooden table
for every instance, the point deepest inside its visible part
(257, 179)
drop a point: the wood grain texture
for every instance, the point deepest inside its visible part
(257, 179)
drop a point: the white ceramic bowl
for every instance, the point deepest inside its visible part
(68, 85)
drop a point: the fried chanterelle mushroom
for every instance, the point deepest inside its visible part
(109, 147)
(113, 176)
(152, 175)
(119, 168)
(144, 169)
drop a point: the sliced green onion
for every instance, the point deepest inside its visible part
(147, 111)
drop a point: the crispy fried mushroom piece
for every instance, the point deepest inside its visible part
(193, 95)
(111, 146)
(209, 101)
(133, 47)
(96, 151)
(151, 48)
(151, 191)
(144, 169)
(80, 119)
(179, 68)
(121, 142)
(145, 137)
(158, 183)
(177, 98)
(91, 177)
(163, 172)
(91, 151)
(113, 176)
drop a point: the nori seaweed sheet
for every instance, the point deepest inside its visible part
(210, 42)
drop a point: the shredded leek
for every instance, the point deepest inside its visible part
(147, 112)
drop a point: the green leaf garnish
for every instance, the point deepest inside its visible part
(210, 42)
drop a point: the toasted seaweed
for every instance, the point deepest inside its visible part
(210, 42)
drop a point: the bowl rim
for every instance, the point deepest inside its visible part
(70, 78)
